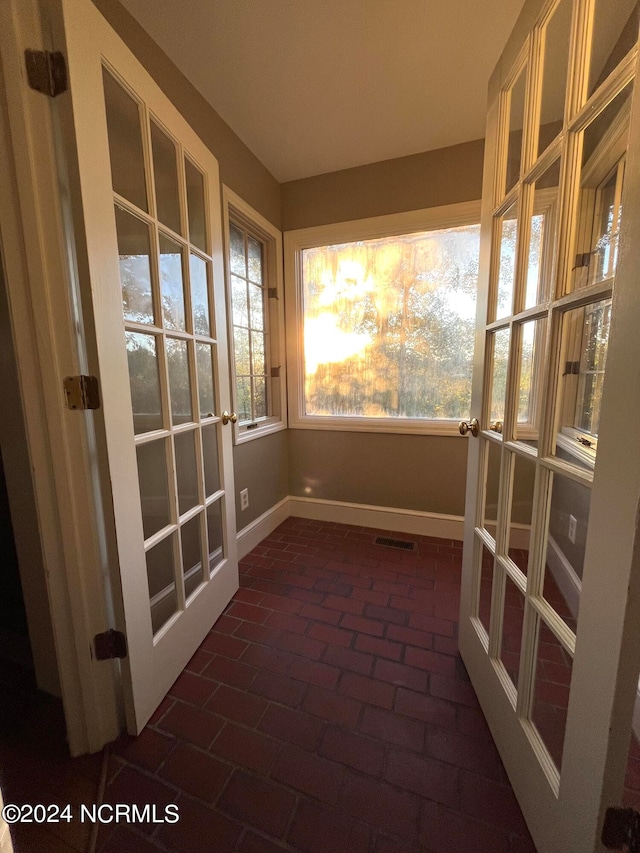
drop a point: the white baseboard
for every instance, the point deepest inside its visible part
(564, 575)
(382, 517)
(364, 515)
(261, 527)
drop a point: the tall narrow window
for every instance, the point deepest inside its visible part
(254, 286)
(250, 322)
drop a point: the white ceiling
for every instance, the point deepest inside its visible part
(313, 86)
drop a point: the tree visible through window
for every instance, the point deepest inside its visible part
(389, 325)
(249, 324)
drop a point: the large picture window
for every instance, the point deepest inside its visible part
(385, 321)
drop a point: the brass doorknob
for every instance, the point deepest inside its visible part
(496, 426)
(226, 417)
(473, 427)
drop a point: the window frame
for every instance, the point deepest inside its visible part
(395, 224)
(607, 160)
(236, 210)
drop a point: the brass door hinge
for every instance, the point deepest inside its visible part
(110, 644)
(82, 392)
(46, 71)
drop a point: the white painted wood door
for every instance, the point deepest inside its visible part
(549, 608)
(150, 201)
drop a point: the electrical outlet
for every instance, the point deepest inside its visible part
(572, 528)
(244, 499)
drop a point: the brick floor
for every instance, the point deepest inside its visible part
(327, 711)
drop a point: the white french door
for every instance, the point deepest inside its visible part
(150, 200)
(548, 627)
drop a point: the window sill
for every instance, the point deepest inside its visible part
(585, 457)
(399, 426)
(242, 435)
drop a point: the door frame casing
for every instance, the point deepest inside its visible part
(64, 445)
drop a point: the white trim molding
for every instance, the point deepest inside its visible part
(244, 216)
(415, 522)
(564, 575)
(261, 527)
(295, 242)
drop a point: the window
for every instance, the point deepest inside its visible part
(586, 328)
(255, 310)
(381, 318)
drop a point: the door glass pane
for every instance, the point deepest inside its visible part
(161, 579)
(542, 236)
(154, 490)
(186, 471)
(492, 486)
(195, 205)
(507, 263)
(600, 199)
(530, 378)
(486, 585)
(199, 296)
(191, 554)
(171, 284)
(512, 622)
(554, 81)
(520, 512)
(211, 459)
(179, 380)
(499, 362)
(204, 361)
(214, 533)
(165, 173)
(134, 251)
(125, 142)
(615, 30)
(516, 120)
(585, 338)
(566, 544)
(551, 692)
(144, 380)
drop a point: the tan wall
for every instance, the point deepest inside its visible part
(414, 472)
(239, 168)
(262, 467)
(409, 471)
(431, 179)
(425, 473)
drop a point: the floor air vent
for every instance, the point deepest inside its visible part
(395, 543)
